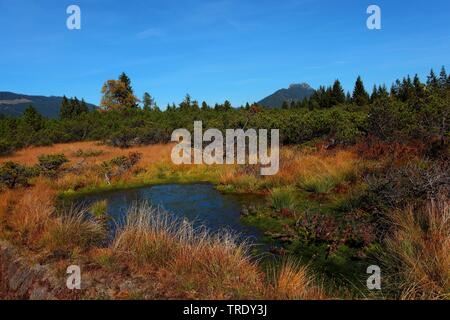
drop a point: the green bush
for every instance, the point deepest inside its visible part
(6, 147)
(13, 175)
(50, 164)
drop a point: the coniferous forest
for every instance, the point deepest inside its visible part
(410, 110)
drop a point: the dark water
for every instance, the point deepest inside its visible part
(201, 204)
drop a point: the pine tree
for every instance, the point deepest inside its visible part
(338, 94)
(360, 95)
(64, 111)
(374, 94)
(383, 92)
(293, 104)
(442, 78)
(127, 81)
(118, 94)
(148, 102)
(186, 103)
(33, 119)
(348, 98)
(75, 107)
(227, 105)
(83, 107)
(432, 81)
(419, 88)
(205, 106)
(127, 92)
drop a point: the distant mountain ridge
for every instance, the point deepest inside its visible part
(14, 104)
(295, 92)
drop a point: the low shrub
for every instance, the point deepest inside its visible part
(119, 165)
(50, 164)
(6, 147)
(14, 175)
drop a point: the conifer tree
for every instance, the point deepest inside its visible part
(64, 111)
(338, 94)
(360, 95)
(443, 78)
(148, 102)
(33, 119)
(432, 81)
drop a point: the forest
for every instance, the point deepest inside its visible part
(409, 111)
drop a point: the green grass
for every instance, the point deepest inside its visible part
(282, 198)
(99, 208)
(317, 184)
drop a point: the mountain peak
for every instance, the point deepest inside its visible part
(295, 92)
(302, 85)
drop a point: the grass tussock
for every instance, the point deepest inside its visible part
(99, 209)
(293, 281)
(282, 199)
(418, 255)
(32, 213)
(149, 236)
(73, 230)
(192, 263)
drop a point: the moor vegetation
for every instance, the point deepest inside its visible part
(364, 179)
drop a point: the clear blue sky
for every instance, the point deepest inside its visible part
(215, 50)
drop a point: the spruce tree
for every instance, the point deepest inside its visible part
(205, 106)
(147, 101)
(83, 107)
(443, 78)
(360, 95)
(432, 81)
(64, 111)
(338, 94)
(374, 94)
(33, 119)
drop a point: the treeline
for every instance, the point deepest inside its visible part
(410, 110)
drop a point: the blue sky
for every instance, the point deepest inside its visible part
(239, 50)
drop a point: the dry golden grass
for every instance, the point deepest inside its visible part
(150, 154)
(315, 171)
(74, 231)
(418, 253)
(33, 211)
(294, 282)
(148, 237)
(188, 263)
(193, 264)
